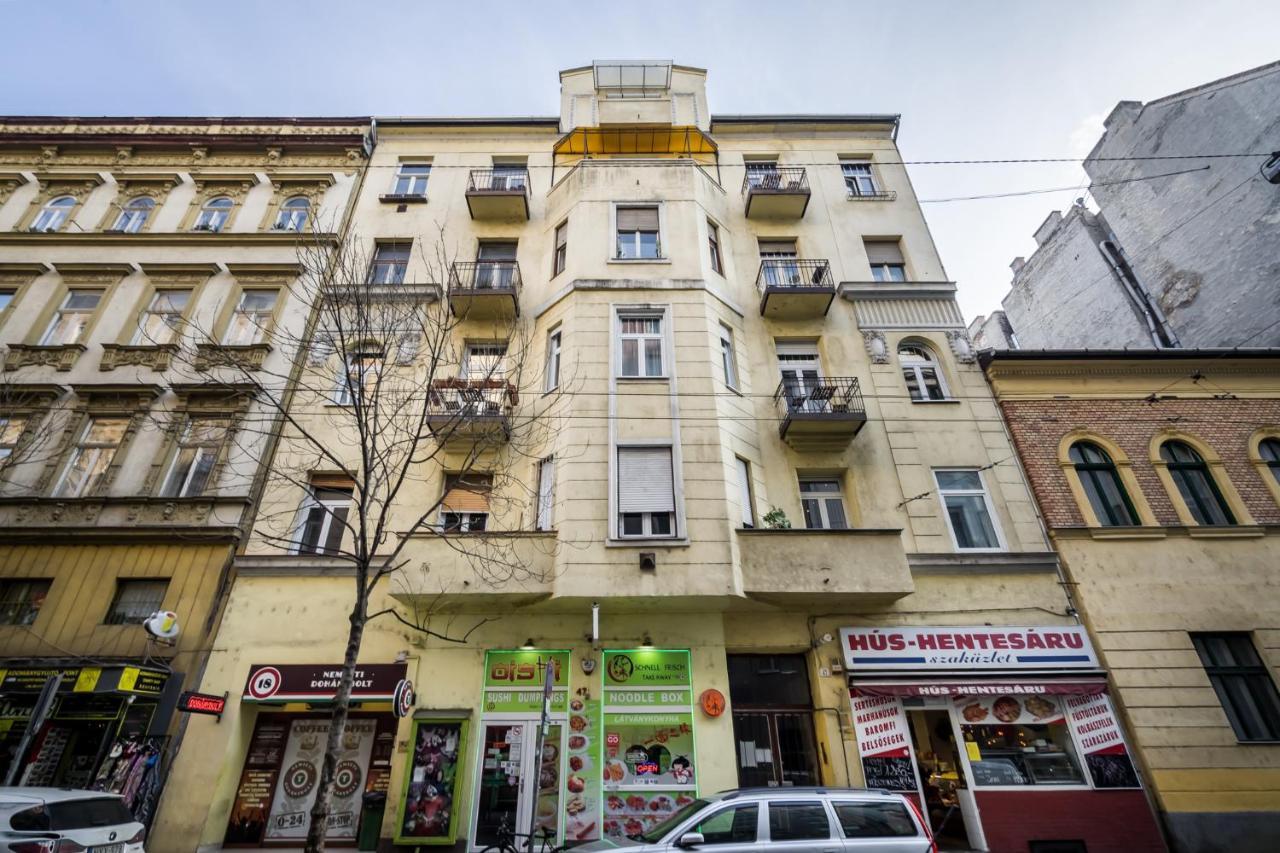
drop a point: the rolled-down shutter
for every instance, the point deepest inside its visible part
(332, 481)
(637, 219)
(645, 480)
(469, 493)
(884, 252)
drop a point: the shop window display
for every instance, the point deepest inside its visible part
(1018, 740)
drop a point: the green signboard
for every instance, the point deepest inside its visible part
(513, 680)
(647, 668)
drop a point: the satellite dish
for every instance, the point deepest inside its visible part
(163, 625)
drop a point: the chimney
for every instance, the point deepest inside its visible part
(1047, 227)
(1017, 265)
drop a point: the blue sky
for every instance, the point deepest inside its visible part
(971, 79)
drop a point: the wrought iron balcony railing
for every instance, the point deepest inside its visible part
(481, 276)
(498, 180)
(779, 179)
(827, 399)
(795, 272)
(461, 400)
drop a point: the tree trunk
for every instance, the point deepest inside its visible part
(337, 723)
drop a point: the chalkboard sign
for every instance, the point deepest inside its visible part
(889, 773)
(1112, 770)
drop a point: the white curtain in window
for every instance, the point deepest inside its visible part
(546, 491)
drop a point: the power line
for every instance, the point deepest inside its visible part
(1076, 188)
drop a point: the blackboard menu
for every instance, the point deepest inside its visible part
(889, 773)
(1111, 770)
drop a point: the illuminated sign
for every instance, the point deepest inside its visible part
(202, 703)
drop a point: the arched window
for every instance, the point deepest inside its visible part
(134, 215)
(1196, 484)
(54, 214)
(1101, 482)
(213, 216)
(1269, 452)
(293, 214)
(922, 373)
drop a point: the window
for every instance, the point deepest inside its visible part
(641, 342)
(1196, 484)
(713, 243)
(72, 318)
(562, 249)
(192, 467)
(858, 179)
(91, 457)
(133, 216)
(762, 173)
(551, 375)
(646, 492)
(496, 265)
(736, 825)
(6, 299)
(411, 179)
(135, 600)
(968, 510)
(1269, 452)
(162, 318)
(728, 359)
(363, 367)
(1101, 482)
(20, 601)
(293, 214)
(509, 176)
(485, 361)
(10, 432)
(922, 373)
(324, 515)
(1243, 684)
(546, 493)
(798, 821)
(823, 504)
(777, 262)
(390, 260)
(874, 820)
(252, 318)
(465, 506)
(214, 214)
(1030, 753)
(54, 214)
(887, 263)
(638, 233)
(745, 497)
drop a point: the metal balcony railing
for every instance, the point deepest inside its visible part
(780, 179)
(837, 397)
(498, 181)
(795, 272)
(481, 276)
(463, 400)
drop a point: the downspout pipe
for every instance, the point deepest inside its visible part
(1157, 324)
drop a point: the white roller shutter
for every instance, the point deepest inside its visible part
(645, 480)
(884, 252)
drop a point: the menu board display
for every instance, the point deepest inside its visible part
(249, 810)
(582, 807)
(296, 788)
(884, 743)
(428, 812)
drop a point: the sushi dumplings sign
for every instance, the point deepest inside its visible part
(513, 681)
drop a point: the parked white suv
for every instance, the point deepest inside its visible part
(64, 820)
(797, 820)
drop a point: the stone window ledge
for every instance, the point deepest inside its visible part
(62, 356)
(246, 357)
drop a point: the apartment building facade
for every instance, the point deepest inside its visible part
(140, 262)
(1157, 473)
(773, 534)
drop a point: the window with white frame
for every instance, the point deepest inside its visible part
(887, 262)
(762, 173)
(822, 500)
(968, 509)
(485, 361)
(11, 427)
(465, 506)
(323, 517)
(728, 357)
(713, 245)
(551, 374)
(162, 318)
(214, 214)
(133, 216)
(91, 456)
(362, 367)
(562, 249)
(922, 373)
(293, 214)
(251, 318)
(546, 494)
(411, 179)
(390, 261)
(746, 496)
(858, 177)
(638, 233)
(54, 214)
(72, 318)
(640, 342)
(135, 600)
(191, 471)
(646, 493)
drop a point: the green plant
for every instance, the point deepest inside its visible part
(776, 519)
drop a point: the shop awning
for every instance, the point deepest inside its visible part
(1078, 686)
(634, 140)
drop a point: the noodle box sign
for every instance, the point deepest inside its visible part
(980, 648)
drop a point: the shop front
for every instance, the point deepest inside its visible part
(281, 769)
(1005, 737)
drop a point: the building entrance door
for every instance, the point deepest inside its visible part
(514, 783)
(773, 721)
(950, 806)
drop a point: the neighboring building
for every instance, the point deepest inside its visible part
(992, 331)
(1187, 260)
(136, 255)
(1158, 474)
(805, 359)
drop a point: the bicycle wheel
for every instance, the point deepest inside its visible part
(501, 847)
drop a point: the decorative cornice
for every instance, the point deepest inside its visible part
(244, 357)
(987, 562)
(41, 518)
(223, 238)
(95, 271)
(869, 290)
(19, 396)
(258, 270)
(62, 357)
(155, 356)
(179, 272)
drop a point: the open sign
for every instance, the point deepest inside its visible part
(647, 768)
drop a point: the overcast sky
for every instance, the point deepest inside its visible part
(971, 79)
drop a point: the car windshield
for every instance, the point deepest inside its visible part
(655, 835)
(86, 814)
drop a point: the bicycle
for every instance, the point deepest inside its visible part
(507, 841)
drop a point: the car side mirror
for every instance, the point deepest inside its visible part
(690, 839)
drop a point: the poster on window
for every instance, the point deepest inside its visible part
(1098, 733)
(429, 811)
(1013, 709)
(884, 743)
(582, 805)
(300, 775)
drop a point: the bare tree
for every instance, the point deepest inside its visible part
(381, 391)
(30, 427)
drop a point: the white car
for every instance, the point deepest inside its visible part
(64, 820)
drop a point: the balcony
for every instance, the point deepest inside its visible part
(835, 568)
(778, 193)
(795, 289)
(471, 410)
(498, 194)
(819, 414)
(485, 290)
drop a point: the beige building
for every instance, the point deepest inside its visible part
(140, 261)
(772, 454)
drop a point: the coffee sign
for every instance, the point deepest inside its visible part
(986, 647)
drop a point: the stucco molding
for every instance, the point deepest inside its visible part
(154, 356)
(38, 517)
(187, 238)
(243, 357)
(61, 358)
(961, 346)
(874, 341)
